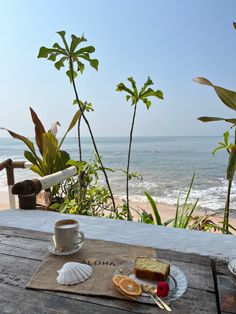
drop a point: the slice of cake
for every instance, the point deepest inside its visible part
(151, 269)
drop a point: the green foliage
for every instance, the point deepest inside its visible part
(224, 145)
(50, 158)
(183, 214)
(228, 98)
(157, 217)
(143, 95)
(94, 199)
(59, 54)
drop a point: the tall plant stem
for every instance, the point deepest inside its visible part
(79, 139)
(226, 211)
(129, 216)
(92, 137)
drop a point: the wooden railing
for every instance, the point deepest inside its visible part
(10, 165)
(31, 187)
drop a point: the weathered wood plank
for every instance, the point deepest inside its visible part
(25, 233)
(22, 301)
(23, 247)
(221, 267)
(183, 257)
(227, 294)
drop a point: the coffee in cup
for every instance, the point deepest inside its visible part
(67, 235)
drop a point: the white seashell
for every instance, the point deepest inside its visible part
(72, 273)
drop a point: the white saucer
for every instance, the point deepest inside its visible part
(52, 249)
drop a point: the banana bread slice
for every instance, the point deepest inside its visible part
(151, 269)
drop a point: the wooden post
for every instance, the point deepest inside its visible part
(10, 183)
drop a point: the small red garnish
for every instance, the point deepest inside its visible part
(162, 289)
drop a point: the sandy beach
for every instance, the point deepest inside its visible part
(166, 211)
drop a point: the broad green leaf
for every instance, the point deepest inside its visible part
(151, 92)
(50, 149)
(157, 217)
(231, 164)
(43, 52)
(212, 119)
(127, 97)
(39, 130)
(72, 124)
(226, 137)
(30, 157)
(121, 87)
(145, 85)
(94, 63)
(147, 103)
(21, 138)
(80, 66)
(132, 81)
(36, 169)
(227, 96)
(52, 57)
(74, 43)
(61, 159)
(63, 34)
(60, 63)
(70, 75)
(88, 49)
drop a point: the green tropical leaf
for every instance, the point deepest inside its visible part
(63, 34)
(132, 81)
(60, 63)
(21, 138)
(88, 49)
(121, 87)
(80, 66)
(231, 164)
(39, 130)
(145, 85)
(213, 119)
(30, 157)
(43, 52)
(94, 63)
(36, 169)
(156, 214)
(147, 103)
(61, 159)
(70, 75)
(227, 96)
(50, 149)
(72, 124)
(74, 43)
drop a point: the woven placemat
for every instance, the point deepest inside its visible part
(106, 259)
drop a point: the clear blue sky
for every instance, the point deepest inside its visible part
(171, 41)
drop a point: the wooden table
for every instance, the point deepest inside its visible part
(21, 251)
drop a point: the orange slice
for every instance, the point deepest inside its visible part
(117, 278)
(130, 287)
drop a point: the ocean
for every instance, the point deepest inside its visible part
(165, 163)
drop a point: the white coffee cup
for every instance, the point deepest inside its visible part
(67, 235)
